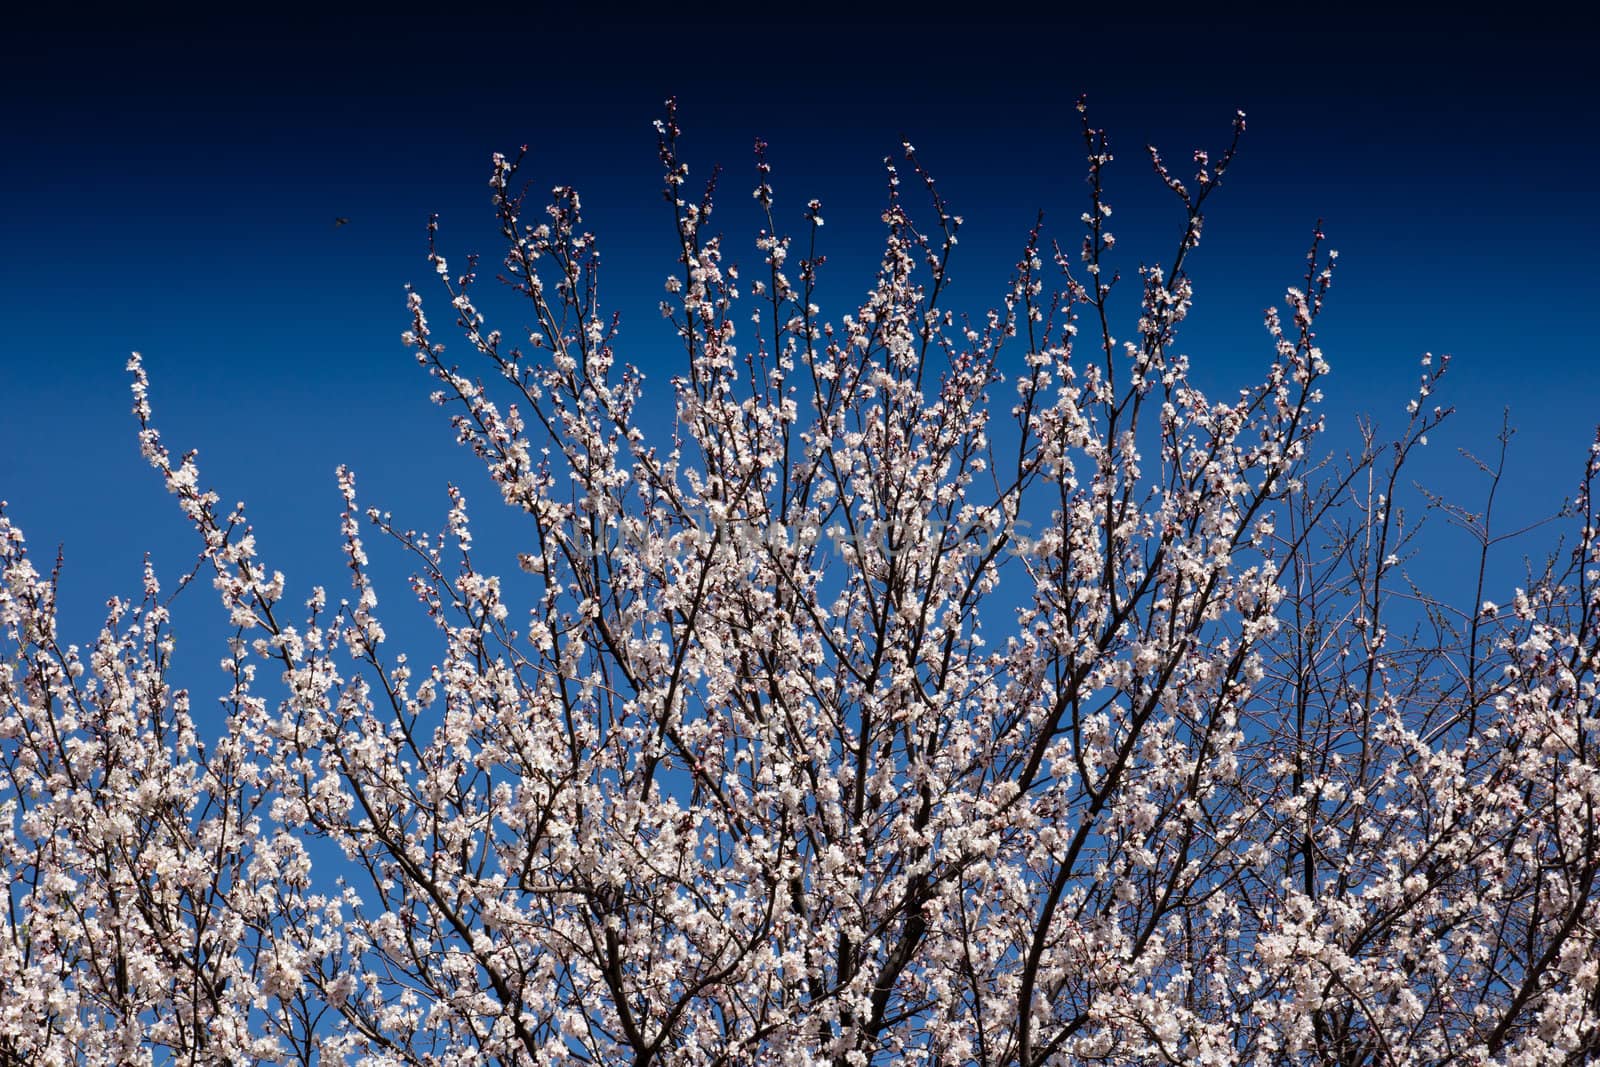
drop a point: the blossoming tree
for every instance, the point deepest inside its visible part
(936, 692)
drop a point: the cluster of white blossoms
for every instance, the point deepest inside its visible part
(1083, 730)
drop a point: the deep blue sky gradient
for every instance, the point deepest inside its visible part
(173, 189)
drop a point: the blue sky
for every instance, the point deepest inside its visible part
(173, 189)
